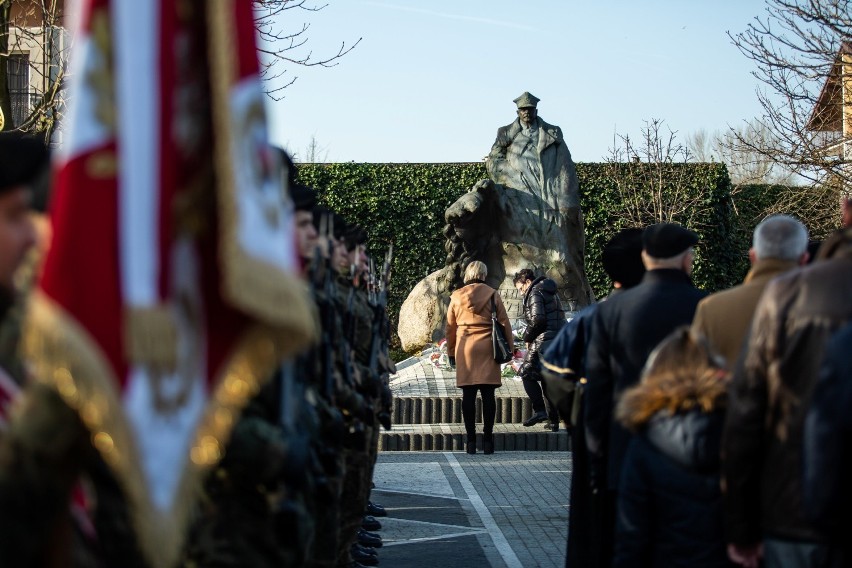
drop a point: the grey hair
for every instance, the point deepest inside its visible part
(476, 270)
(781, 237)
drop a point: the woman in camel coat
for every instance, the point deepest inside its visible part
(471, 352)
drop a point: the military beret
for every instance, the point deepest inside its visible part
(622, 257)
(23, 159)
(304, 198)
(665, 240)
(339, 225)
(355, 235)
(526, 100)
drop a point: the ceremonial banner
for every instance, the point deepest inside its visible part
(169, 291)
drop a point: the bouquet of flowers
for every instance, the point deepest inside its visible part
(510, 370)
(438, 355)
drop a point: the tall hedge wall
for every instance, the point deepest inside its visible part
(405, 203)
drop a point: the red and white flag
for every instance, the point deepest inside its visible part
(169, 291)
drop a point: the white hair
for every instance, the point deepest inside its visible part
(781, 237)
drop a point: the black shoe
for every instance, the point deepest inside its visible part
(364, 555)
(375, 510)
(471, 447)
(535, 419)
(369, 523)
(554, 427)
(369, 539)
(488, 446)
(365, 549)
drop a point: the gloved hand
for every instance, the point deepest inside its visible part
(452, 362)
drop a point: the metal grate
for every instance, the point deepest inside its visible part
(18, 69)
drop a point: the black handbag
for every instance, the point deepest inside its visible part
(502, 353)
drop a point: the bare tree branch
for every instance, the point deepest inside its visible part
(798, 50)
(284, 47)
(651, 179)
(36, 36)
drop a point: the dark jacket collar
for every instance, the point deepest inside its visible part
(666, 275)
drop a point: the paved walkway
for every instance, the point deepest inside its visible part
(416, 376)
(455, 510)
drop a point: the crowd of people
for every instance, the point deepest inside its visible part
(707, 429)
(293, 485)
(712, 428)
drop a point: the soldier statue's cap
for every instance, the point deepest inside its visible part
(665, 240)
(526, 100)
(23, 159)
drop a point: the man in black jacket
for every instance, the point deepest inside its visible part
(827, 439)
(544, 316)
(564, 363)
(627, 328)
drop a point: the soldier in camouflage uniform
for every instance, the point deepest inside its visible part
(40, 460)
(259, 502)
(358, 323)
(338, 376)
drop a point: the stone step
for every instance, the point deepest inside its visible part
(451, 438)
(447, 409)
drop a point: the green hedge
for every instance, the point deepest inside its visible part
(402, 204)
(817, 207)
(698, 196)
(405, 203)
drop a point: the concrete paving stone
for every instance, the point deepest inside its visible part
(524, 493)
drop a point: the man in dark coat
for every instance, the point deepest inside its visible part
(828, 437)
(626, 329)
(564, 372)
(544, 317)
(769, 398)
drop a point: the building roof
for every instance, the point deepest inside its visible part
(827, 114)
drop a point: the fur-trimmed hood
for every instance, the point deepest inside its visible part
(681, 417)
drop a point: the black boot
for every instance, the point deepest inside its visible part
(366, 557)
(488, 444)
(471, 444)
(369, 539)
(375, 509)
(369, 523)
(535, 419)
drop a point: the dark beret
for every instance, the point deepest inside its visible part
(355, 235)
(304, 198)
(23, 158)
(339, 225)
(665, 240)
(622, 257)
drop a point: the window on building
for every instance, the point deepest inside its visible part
(18, 69)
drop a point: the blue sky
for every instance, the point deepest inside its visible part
(431, 81)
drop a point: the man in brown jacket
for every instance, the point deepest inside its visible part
(779, 244)
(768, 399)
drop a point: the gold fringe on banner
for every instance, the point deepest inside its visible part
(250, 284)
(150, 337)
(65, 357)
